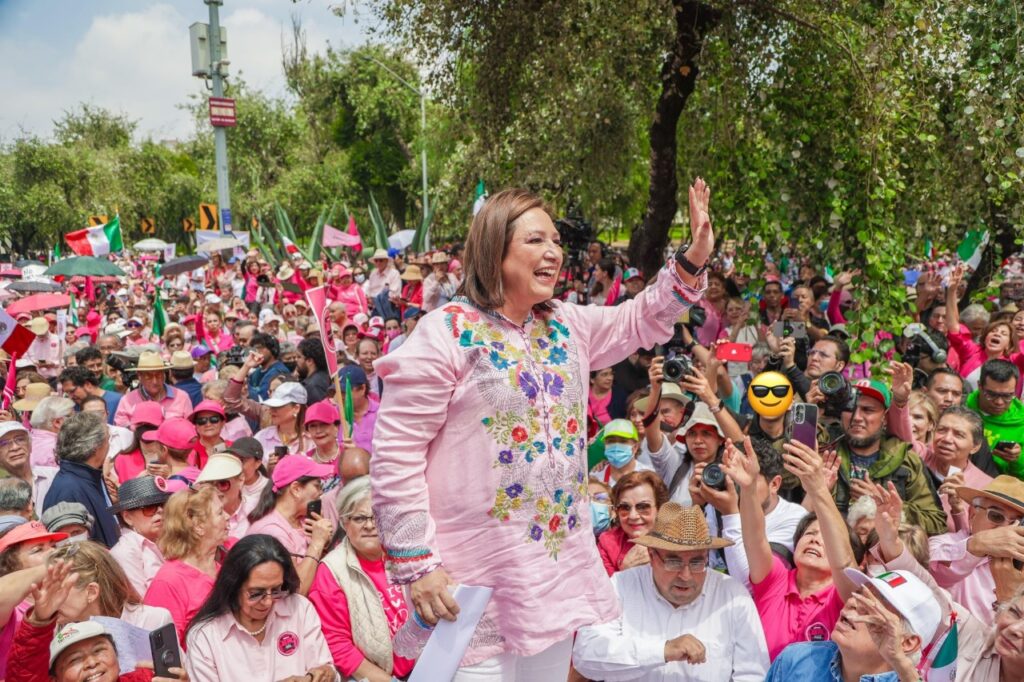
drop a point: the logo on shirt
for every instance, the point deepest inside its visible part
(817, 632)
(287, 643)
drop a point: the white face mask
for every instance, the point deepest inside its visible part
(360, 279)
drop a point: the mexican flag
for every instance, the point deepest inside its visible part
(972, 247)
(480, 197)
(96, 241)
(289, 246)
(942, 666)
(159, 317)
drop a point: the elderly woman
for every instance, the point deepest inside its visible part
(209, 419)
(140, 507)
(490, 479)
(636, 499)
(195, 526)
(361, 611)
(254, 625)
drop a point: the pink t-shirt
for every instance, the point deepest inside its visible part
(181, 589)
(786, 616)
(332, 605)
(275, 525)
(129, 465)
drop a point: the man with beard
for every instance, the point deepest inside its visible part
(312, 370)
(868, 456)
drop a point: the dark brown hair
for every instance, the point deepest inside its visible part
(487, 244)
(636, 479)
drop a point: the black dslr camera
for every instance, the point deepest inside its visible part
(233, 356)
(839, 395)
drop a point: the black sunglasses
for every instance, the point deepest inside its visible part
(763, 391)
(203, 421)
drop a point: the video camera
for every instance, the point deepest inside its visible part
(122, 362)
(921, 343)
(233, 356)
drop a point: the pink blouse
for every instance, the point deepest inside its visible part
(480, 457)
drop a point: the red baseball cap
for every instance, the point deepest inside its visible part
(31, 531)
(177, 433)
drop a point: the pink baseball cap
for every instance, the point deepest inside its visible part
(208, 406)
(148, 412)
(324, 412)
(293, 467)
(177, 433)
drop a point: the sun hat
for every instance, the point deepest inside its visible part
(1006, 490)
(142, 491)
(33, 530)
(412, 274)
(304, 265)
(64, 514)
(149, 361)
(181, 359)
(669, 391)
(72, 634)
(873, 388)
(438, 258)
(293, 467)
(9, 426)
(631, 273)
(323, 412)
(200, 352)
(702, 415)
(38, 325)
(207, 406)
(177, 433)
(354, 373)
(288, 393)
(621, 428)
(22, 363)
(34, 394)
(147, 412)
(681, 529)
(380, 254)
(285, 271)
(246, 447)
(219, 467)
(909, 595)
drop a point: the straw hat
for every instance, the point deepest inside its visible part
(149, 361)
(285, 271)
(380, 254)
(181, 359)
(412, 274)
(39, 326)
(34, 394)
(438, 258)
(681, 529)
(1006, 490)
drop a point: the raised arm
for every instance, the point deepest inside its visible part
(743, 468)
(953, 300)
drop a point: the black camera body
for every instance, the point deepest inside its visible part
(713, 476)
(122, 362)
(839, 395)
(233, 356)
(677, 366)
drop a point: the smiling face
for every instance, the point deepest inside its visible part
(636, 522)
(263, 578)
(532, 261)
(91, 660)
(770, 394)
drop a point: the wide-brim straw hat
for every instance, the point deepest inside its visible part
(1006, 490)
(412, 274)
(34, 394)
(149, 361)
(438, 258)
(681, 529)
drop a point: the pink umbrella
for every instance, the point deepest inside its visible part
(10, 271)
(36, 302)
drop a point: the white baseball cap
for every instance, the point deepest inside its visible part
(221, 466)
(911, 598)
(288, 393)
(73, 633)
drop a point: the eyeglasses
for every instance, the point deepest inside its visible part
(641, 507)
(259, 595)
(998, 397)
(363, 520)
(763, 391)
(223, 485)
(213, 419)
(150, 510)
(13, 440)
(696, 565)
(994, 514)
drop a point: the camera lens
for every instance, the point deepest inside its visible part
(831, 382)
(713, 476)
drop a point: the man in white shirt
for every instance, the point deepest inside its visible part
(383, 275)
(680, 619)
(781, 516)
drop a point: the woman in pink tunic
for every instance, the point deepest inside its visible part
(479, 468)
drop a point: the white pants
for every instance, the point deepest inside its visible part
(550, 665)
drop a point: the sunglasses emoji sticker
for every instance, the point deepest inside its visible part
(770, 394)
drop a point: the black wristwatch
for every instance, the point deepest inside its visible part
(685, 263)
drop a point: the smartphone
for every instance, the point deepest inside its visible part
(280, 450)
(314, 507)
(785, 329)
(1004, 445)
(802, 424)
(793, 303)
(734, 352)
(163, 645)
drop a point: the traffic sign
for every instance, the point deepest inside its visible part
(188, 225)
(222, 112)
(208, 217)
(148, 226)
(97, 220)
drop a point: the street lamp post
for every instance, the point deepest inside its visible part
(423, 122)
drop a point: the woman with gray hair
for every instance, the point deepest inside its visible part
(82, 446)
(46, 421)
(360, 609)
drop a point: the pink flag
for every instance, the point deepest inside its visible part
(317, 298)
(12, 381)
(355, 233)
(335, 237)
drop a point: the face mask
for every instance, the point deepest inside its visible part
(618, 454)
(392, 333)
(360, 279)
(291, 366)
(600, 516)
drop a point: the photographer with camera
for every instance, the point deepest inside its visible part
(828, 354)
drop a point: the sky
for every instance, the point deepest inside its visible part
(132, 56)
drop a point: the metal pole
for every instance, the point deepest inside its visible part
(220, 139)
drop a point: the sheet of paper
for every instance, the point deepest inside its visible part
(132, 642)
(448, 642)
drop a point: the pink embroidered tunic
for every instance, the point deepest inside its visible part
(480, 457)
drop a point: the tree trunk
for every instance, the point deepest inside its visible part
(678, 78)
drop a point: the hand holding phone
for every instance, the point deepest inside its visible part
(314, 507)
(163, 645)
(734, 352)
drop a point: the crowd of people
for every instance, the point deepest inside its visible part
(671, 475)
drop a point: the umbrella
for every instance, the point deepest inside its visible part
(23, 262)
(84, 265)
(32, 287)
(219, 244)
(177, 266)
(401, 240)
(106, 279)
(31, 304)
(33, 271)
(151, 244)
(10, 271)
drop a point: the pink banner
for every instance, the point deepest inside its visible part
(317, 299)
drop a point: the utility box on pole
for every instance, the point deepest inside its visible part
(199, 39)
